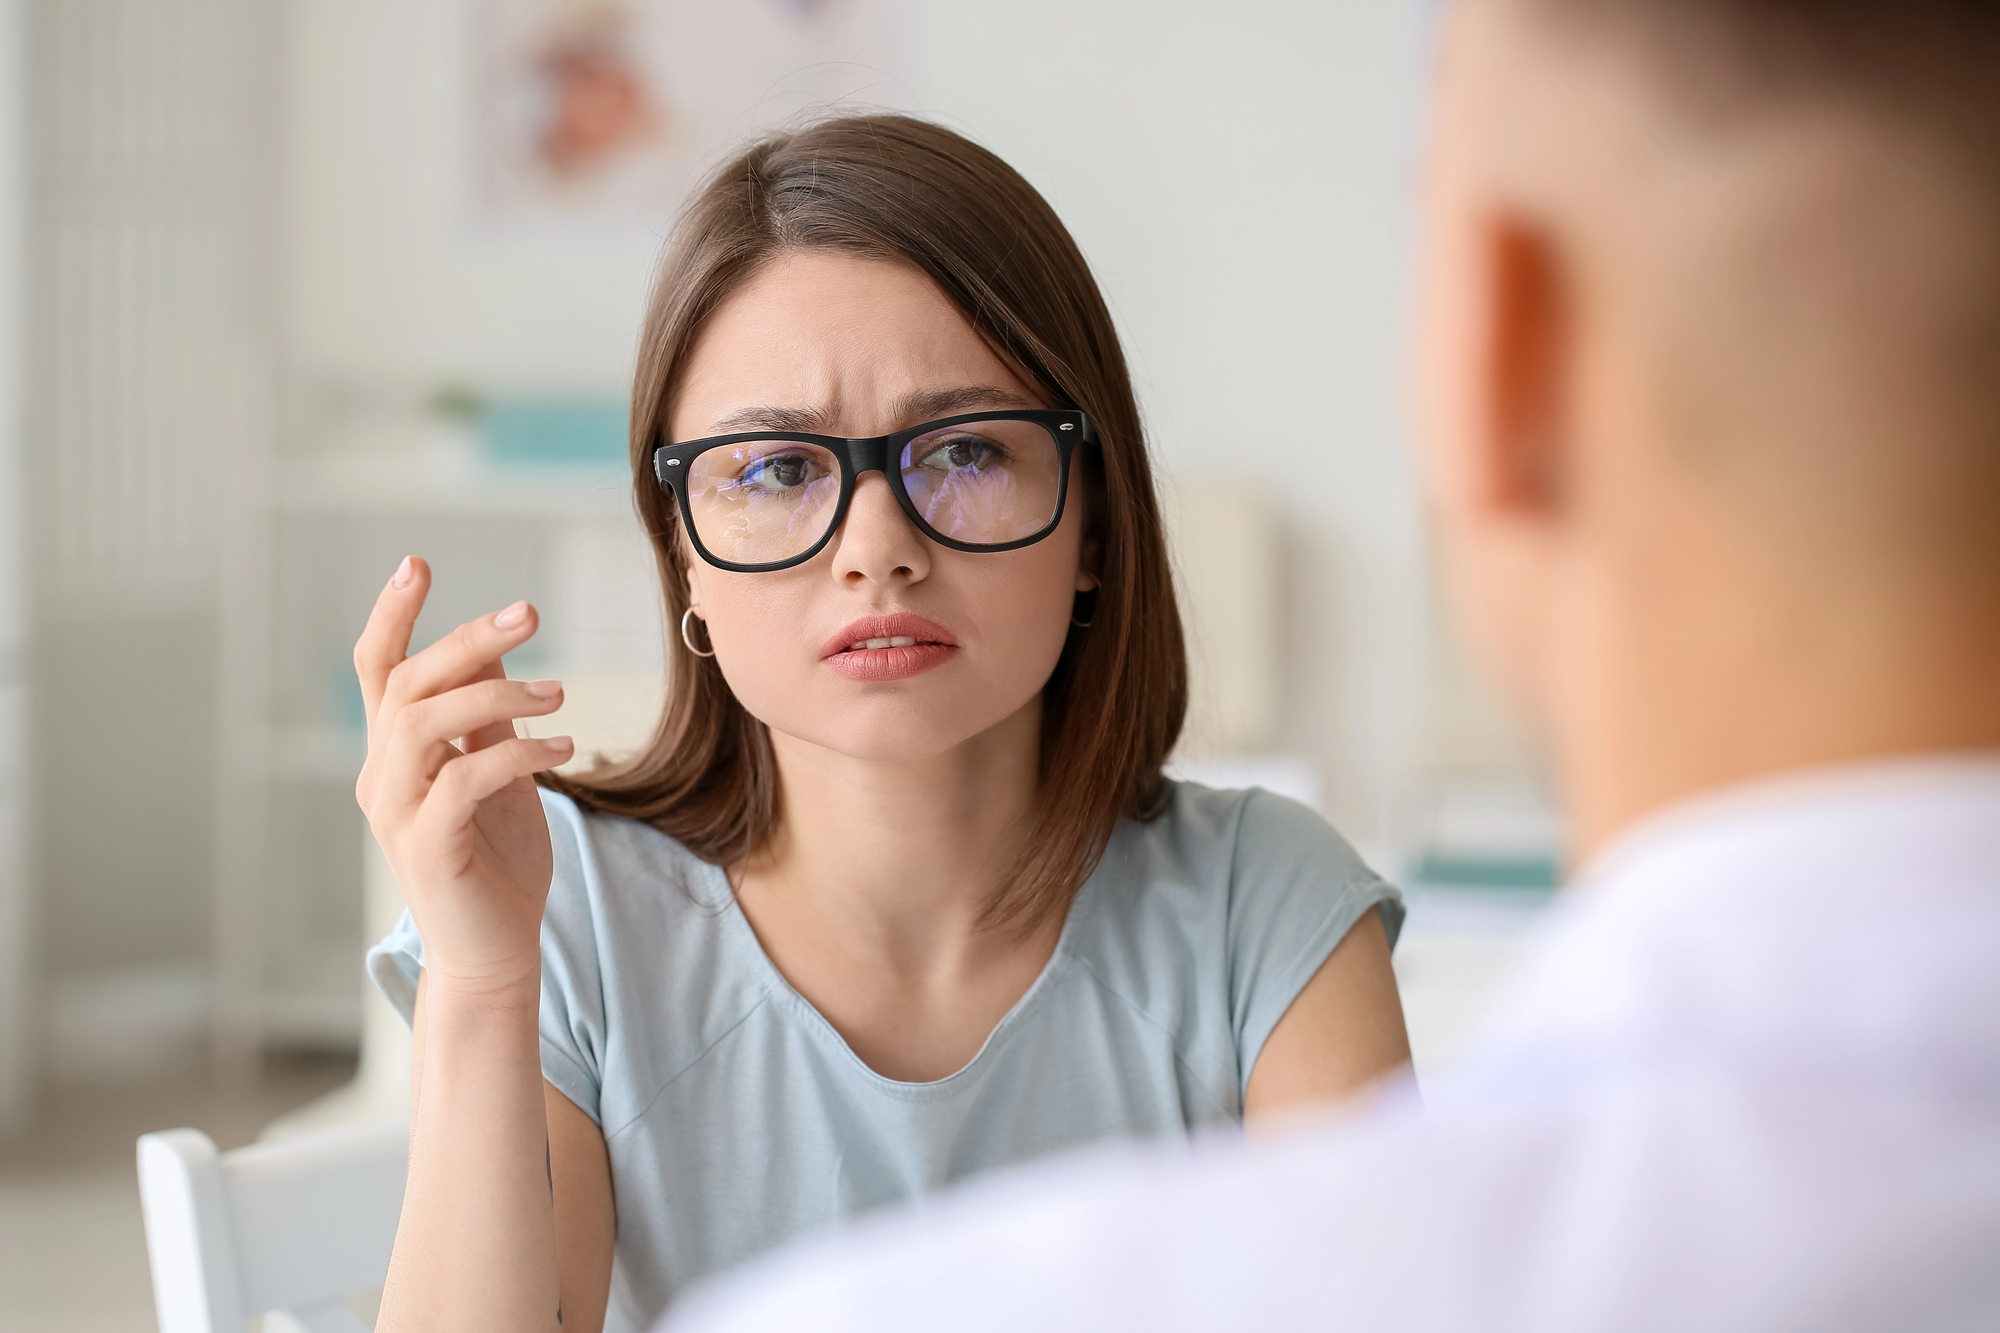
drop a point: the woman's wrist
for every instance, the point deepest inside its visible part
(496, 992)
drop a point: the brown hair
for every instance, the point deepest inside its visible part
(896, 188)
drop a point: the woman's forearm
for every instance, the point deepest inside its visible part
(476, 1247)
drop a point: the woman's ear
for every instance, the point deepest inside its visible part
(1087, 564)
(692, 564)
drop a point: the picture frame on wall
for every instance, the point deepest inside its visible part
(607, 111)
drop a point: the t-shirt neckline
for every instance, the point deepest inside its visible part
(737, 929)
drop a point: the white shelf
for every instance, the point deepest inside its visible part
(450, 484)
(277, 980)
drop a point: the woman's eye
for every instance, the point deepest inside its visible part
(781, 472)
(957, 455)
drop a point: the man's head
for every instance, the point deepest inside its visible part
(1711, 378)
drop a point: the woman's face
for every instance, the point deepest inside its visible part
(831, 344)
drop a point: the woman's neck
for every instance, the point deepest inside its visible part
(900, 858)
(870, 897)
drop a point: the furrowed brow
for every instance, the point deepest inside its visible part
(922, 405)
(806, 420)
(930, 404)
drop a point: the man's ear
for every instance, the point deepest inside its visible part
(1523, 442)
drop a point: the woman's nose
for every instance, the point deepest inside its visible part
(877, 543)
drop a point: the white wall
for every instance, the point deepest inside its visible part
(16, 918)
(144, 350)
(1239, 175)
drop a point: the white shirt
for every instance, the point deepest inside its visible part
(1748, 1079)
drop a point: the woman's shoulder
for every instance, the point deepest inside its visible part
(627, 901)
(1222, 859)
(1236, 829)
(1211, 917)
(617, 885)
(602, 856)
(634, 917)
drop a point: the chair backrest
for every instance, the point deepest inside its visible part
(287, 1227)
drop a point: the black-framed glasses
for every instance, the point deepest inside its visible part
(765, 500)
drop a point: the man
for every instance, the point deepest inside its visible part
(1711, 404)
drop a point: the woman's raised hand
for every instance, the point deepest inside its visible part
(448, 787)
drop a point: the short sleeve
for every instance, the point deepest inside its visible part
(1296, 889)
(573, 1022)
(572, 1012)
(395, 964)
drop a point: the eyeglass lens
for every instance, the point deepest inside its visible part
(985, 483)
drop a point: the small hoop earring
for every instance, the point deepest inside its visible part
(1082, 624)
(687, 639)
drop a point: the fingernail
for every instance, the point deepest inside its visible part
(512, 616)
(559, 743)
(544, 689)
(404, 573)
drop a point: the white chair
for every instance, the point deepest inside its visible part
(283, 1230)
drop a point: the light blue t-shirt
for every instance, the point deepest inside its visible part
(736, 1117)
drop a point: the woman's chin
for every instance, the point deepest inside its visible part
(893, 734)
(875, 747)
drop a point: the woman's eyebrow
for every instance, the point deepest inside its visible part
(922, 405)
(929, 404)
(808, 420)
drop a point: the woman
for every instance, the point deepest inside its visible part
(898, 892)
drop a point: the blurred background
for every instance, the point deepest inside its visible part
(289, 288)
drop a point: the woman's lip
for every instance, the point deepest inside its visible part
(902, 625)
(891, 663)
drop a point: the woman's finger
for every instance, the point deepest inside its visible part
(420, 744)
(469, 779)
(470, 653)
(487, 703)
(385, 641)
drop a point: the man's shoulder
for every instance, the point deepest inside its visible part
(1669, 1198)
